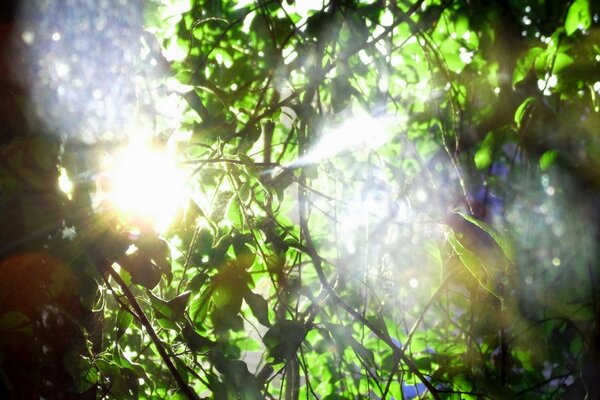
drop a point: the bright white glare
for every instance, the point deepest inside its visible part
(465, 55)
(145, 186)
(65, 184)
(28, 37)
(413, 283)
(556, 261)
(355, 133)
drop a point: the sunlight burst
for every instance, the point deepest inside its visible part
(146, 186)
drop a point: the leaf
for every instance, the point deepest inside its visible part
(316, 24)
(243, 253)
(343, 339)
(341, 92)
(523, 109)
(234, 213)
(547, 159)
(123, 321)
(196, 103)
(236, 376)
(505, 244)
(246, 160)
(525, 64)
(81, 369)
(363, 353)
(199, 305)
(194, 340)
(158, 251)
(474, 265)
(284, 338)
(178, 304)
(561, 62)
(578, 17)
(143, 272)
(483, 156)
(166, 323)
(160, 306)
(259, 307)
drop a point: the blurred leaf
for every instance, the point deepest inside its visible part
(158, 251)
(195, 341)
(178, 304)
(244, 255)
(284, 338)
(474, 265)
(341, 92)
(143, 272)
(258, 306)
(547, 159)
(578, 17)
(523, 110)
(234, 213)
(160, 306)
(525, 64)
(505, 244)
(484, 155)
(124, 319)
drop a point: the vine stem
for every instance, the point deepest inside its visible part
(189, 393)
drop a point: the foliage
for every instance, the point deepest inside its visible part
(390, 200)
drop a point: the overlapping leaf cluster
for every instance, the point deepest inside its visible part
(282, 280)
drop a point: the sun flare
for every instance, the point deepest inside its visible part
(147, 187)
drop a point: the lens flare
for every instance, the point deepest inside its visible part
(147, 187)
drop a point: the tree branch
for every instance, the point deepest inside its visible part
(189, 393)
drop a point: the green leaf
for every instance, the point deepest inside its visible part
(15, 322)
(194, 340)
(81, 369)
(234, 213)
(578, 17)
(547, 159)
(166, 323)
(199, 305)
(124, 319)
(158, 251)
(505, 244)
(247, 161)
(196, 103)
(561, 62)
(523, 110)
(244, 255)
(259, 307)
(236, 376)
(483, 156)
(474, 265)
(317, 23)
(525, 64)
(363, 353)
(284, 338)
(178, 304)
(160, 306)
(341, 92)
(143, 272)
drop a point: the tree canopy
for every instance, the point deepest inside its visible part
(336, 199)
